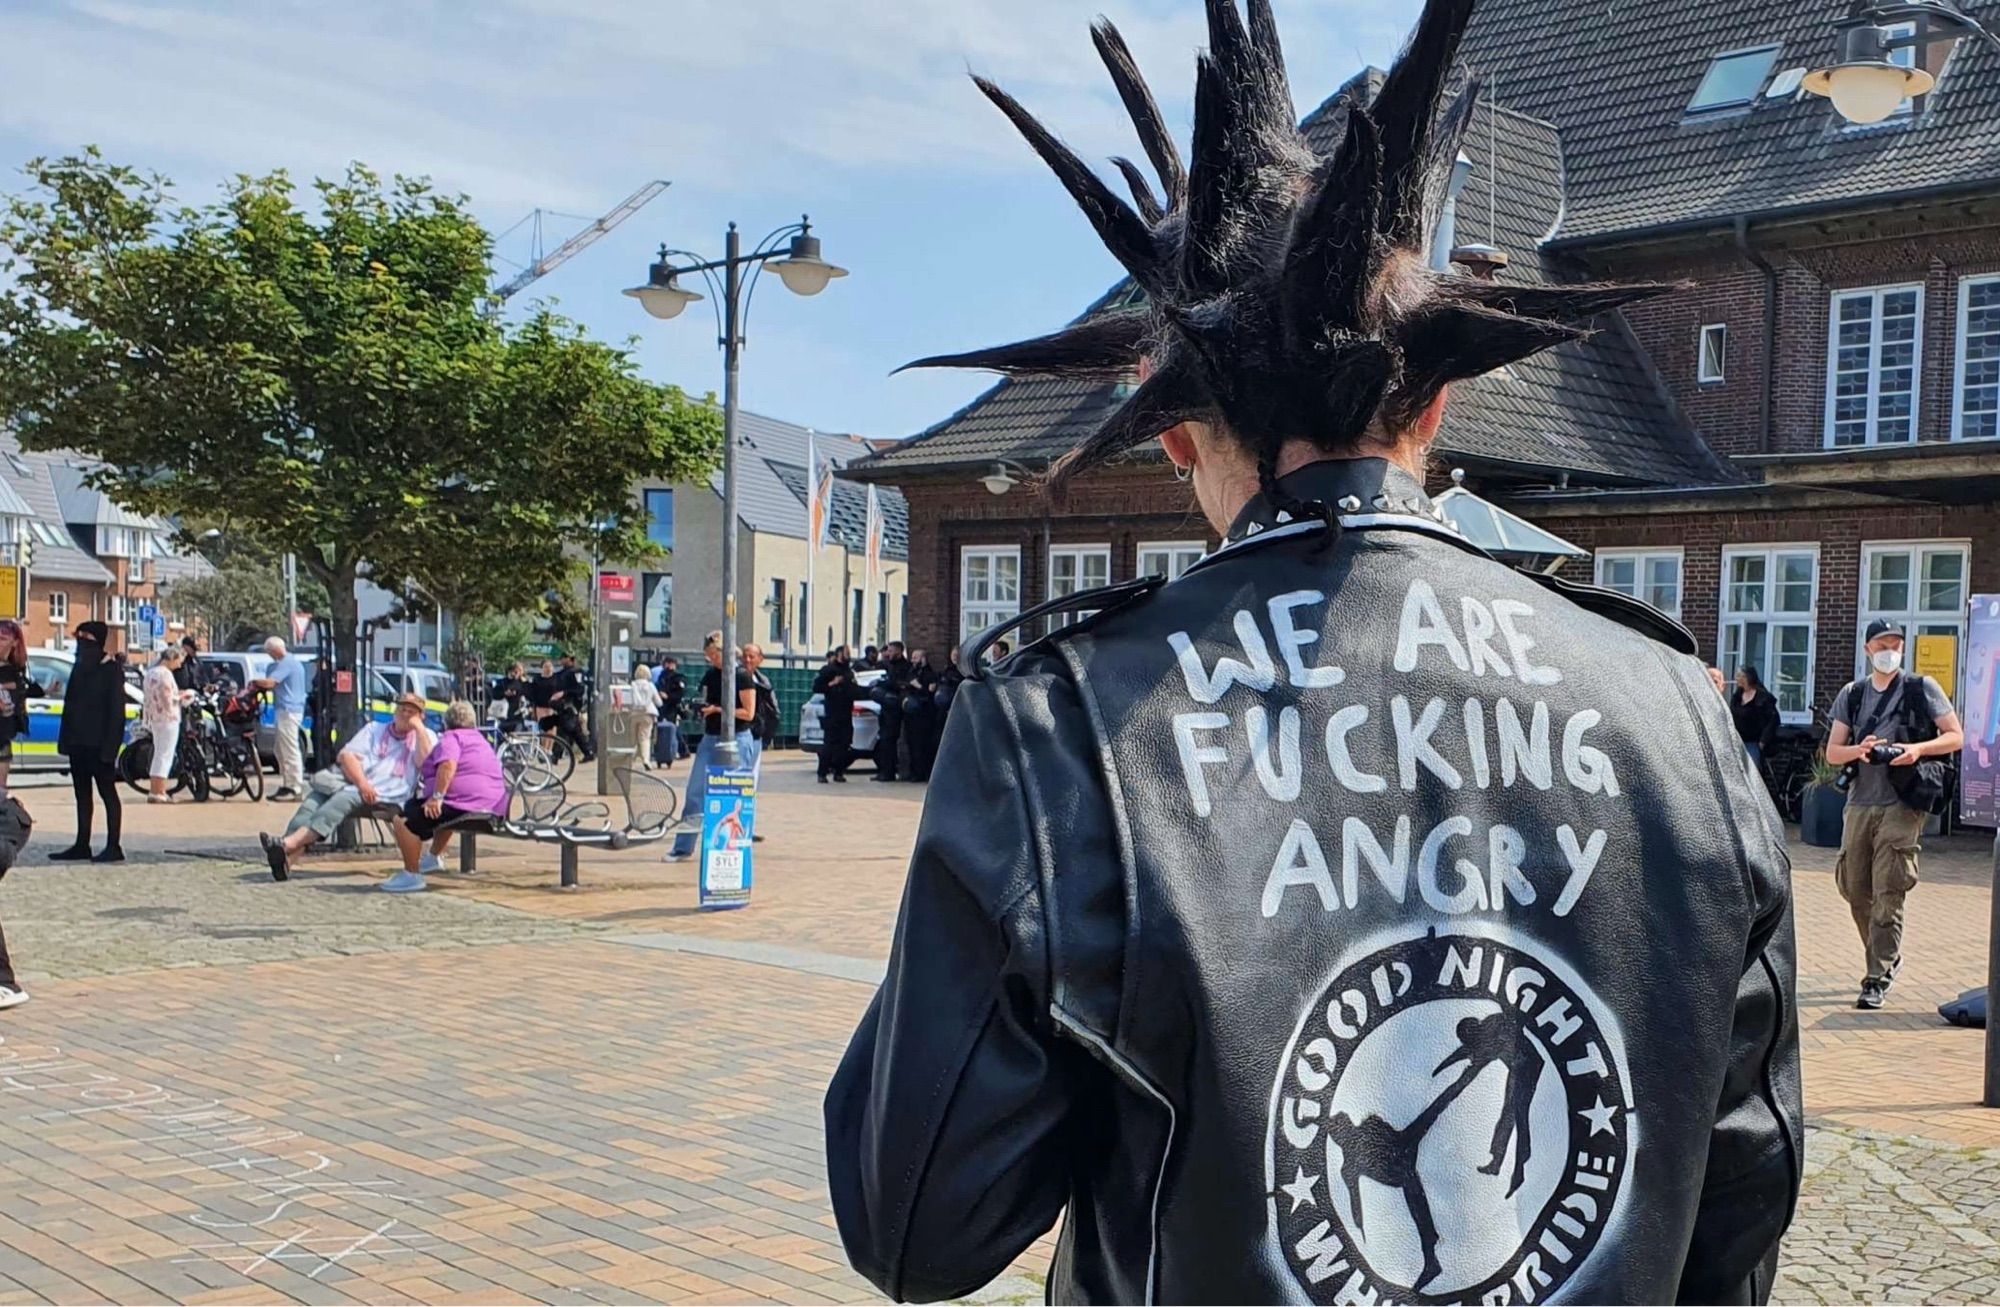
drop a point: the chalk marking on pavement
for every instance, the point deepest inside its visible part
(865, 971)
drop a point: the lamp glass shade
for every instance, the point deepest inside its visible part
(1868, 92)
(998, 482)
(664, 301)
(808, 276)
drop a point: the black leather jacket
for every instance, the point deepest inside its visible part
(1350, 919)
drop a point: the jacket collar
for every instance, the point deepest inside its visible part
(1349, 485)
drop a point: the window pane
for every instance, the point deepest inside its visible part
(1621, 574)
(1007, 579)
(1733, 79)
(1943, 589)
(1979, 396)
(1889, 582)
(1795, 581)
(1746, 583)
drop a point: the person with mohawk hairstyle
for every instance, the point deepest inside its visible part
(1353, 919)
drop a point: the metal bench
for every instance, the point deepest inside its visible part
(538, 810)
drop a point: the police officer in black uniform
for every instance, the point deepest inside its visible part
(921, 716)
(836, 688)
(889, 694)
(1354, 919)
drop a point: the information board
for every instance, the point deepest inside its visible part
(728, 821)
(13, 582)
(1979, 765)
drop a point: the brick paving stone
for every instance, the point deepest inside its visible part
(505, 1092)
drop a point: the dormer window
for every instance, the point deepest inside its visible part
(1734, 78)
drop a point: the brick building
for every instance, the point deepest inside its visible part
(87, 557)
(1805, 437)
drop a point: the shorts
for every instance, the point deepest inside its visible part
(423, 825)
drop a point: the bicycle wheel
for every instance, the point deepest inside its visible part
(525, 764)
(225, 770)
(135, 763)
(560, 757)
(251, 768)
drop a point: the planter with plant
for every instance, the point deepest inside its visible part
(1823, 806)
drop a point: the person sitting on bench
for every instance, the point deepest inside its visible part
(461, 781)
(378, 766)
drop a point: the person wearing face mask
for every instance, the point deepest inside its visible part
(1884, 726)
(93, 726)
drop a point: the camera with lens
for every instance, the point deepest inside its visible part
(1885, 753)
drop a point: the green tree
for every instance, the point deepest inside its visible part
(242, 600)
(325, 383)
(497, 638)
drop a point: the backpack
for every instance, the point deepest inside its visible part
(1922, 787)
(15, 827)
(764, 724)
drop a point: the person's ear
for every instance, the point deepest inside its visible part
(1179, 444)
(1432, 417)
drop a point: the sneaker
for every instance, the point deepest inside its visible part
(74, 853)
(840, 778)
(274, 853)
(825, 780)
(405, 882)
(429, 862)
(11, 997)
(1871, 996)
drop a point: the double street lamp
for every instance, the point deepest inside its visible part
(792, 251)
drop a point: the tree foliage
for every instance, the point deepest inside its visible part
(325, 383)
(243, 600)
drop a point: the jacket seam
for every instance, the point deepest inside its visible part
(1765, 1090)
(1129, 955)
(1125, 1070)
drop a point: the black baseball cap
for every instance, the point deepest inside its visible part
(1883, 626)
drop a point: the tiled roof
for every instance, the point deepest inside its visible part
(1616, 80)
(768, 502)
(1590, 408)
(61, 560)
(849, 527)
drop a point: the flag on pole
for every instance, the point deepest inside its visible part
(822, 507)
(875, 529)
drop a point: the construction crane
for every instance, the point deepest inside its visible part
(569, 249)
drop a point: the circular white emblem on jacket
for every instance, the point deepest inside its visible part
(1452, 1123)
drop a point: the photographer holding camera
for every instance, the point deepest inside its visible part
(1903, 725)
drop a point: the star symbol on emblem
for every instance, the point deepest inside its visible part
(1600, 1116)
(1300, 1190)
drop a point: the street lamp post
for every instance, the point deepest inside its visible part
(799, 265)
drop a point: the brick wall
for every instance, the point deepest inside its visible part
(1123, 507)
(1924, 248)
(1839, 534)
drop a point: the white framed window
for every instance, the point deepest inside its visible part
(989, 587)
(1169, 558)
(1975, 409)
(1919, 584)
(59, 611)
(1770, 597)
(1874, 357)
(1651, 575)
(117, 616)
(1074, 568)
(1714, 352)
(12, 529)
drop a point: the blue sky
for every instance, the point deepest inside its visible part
(858, 111)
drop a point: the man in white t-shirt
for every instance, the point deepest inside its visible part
(380, 765)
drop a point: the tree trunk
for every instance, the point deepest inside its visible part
(350, 710)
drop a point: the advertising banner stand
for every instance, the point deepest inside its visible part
(728, 821)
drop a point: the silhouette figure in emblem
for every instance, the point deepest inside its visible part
(1388, 1154)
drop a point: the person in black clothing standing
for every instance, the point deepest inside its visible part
(673, 687)
(93, 726)
(566, 696)
(1756, 714)
(836, 689)
(869, 661)
(15, 826)
(16, 688)
(889, 693)
(922, 722)
(186, 676)
(513, 695)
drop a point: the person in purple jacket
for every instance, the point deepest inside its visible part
(462, 781)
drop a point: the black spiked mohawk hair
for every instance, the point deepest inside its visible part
(1287, 296)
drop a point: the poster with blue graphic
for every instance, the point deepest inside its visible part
(728, 819)
(1979, 765)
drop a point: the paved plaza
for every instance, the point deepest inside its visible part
(227, 1090)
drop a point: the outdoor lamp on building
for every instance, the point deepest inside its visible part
(999, 481)
(1865, 84)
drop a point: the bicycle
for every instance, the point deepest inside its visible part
(532, 760)
(227, 738)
